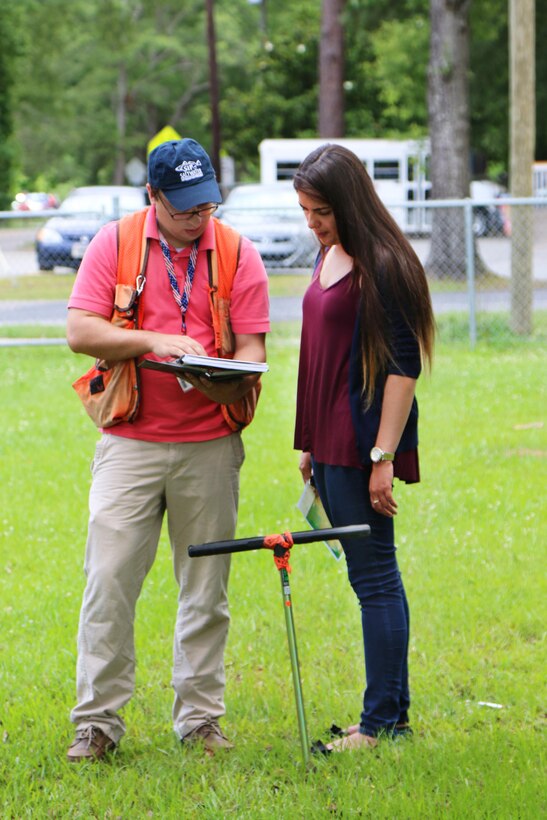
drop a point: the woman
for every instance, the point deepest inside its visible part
(367, 326)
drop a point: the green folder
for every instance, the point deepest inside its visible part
(311, 507)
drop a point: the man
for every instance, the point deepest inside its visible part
(178, 456)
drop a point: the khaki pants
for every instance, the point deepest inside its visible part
(134, 484)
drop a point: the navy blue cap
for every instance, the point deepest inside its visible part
(182, 170)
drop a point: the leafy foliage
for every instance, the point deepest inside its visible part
(8, 46)
(489, 111)
(87, 83)
(404, 105)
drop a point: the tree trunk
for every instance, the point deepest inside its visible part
(448, 101)
(331, 70)
(214, 89)
(522, 135)
(121, 112)
(6, 109)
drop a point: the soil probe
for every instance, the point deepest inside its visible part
(281, 545)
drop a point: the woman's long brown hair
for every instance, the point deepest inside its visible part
(384, 262)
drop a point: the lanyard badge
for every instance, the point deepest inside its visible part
(182, 299)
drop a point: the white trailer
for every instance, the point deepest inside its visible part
(398, 168)
(539, 184)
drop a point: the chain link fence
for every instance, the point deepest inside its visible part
(486, 261)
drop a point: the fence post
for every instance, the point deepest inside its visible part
(522, 262)
(470, 269)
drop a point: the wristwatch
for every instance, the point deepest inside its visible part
(377, 455)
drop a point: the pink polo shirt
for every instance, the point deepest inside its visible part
(167, 413)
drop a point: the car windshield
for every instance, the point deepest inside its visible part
(262, 198)
(101, 205)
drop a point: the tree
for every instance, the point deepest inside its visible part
(331, 70)
(103, 76)
(448, 97)
(277, 94)
(95, 79)
(401, 74)
(489, 65)
(7, 49)
(213, 87)
(541, 83)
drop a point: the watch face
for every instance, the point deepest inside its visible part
(376, 455)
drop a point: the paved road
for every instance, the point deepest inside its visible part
(54, 312)
(283, 308)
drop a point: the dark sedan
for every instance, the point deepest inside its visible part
(62, 240)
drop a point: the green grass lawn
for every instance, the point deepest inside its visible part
(471, 541)
(58, 286)
(36, 287)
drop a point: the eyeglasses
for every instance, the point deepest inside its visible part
(187, 216)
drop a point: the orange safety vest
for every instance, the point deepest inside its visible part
(222, 262)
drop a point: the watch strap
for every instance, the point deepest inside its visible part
(377, 455)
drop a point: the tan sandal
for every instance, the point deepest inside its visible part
(352, 742)
(399, 729)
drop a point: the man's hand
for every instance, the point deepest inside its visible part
(225, 391)
(95, 335)
(165, 346)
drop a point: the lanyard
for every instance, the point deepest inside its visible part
(182, 299)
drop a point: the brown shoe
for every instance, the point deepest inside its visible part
(210, 736)
(89, 744)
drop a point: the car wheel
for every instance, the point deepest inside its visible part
(480, 222)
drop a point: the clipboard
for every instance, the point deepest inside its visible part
(209, 367)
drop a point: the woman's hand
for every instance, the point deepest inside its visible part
(304, 465)
(396, 405)
(381, 489)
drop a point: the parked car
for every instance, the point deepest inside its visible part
(35, 201)
(64, 237)
(269, 215)
(488, 220)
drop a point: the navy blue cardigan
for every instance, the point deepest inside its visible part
(406, 362)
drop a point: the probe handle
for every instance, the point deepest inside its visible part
(257, 542)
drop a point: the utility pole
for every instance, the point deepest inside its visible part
(213, 89)
(522, 139)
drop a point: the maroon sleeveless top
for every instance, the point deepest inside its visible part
(324, 426)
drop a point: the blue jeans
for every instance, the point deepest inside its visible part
(375, 578)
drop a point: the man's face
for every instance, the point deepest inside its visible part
(181, 228)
